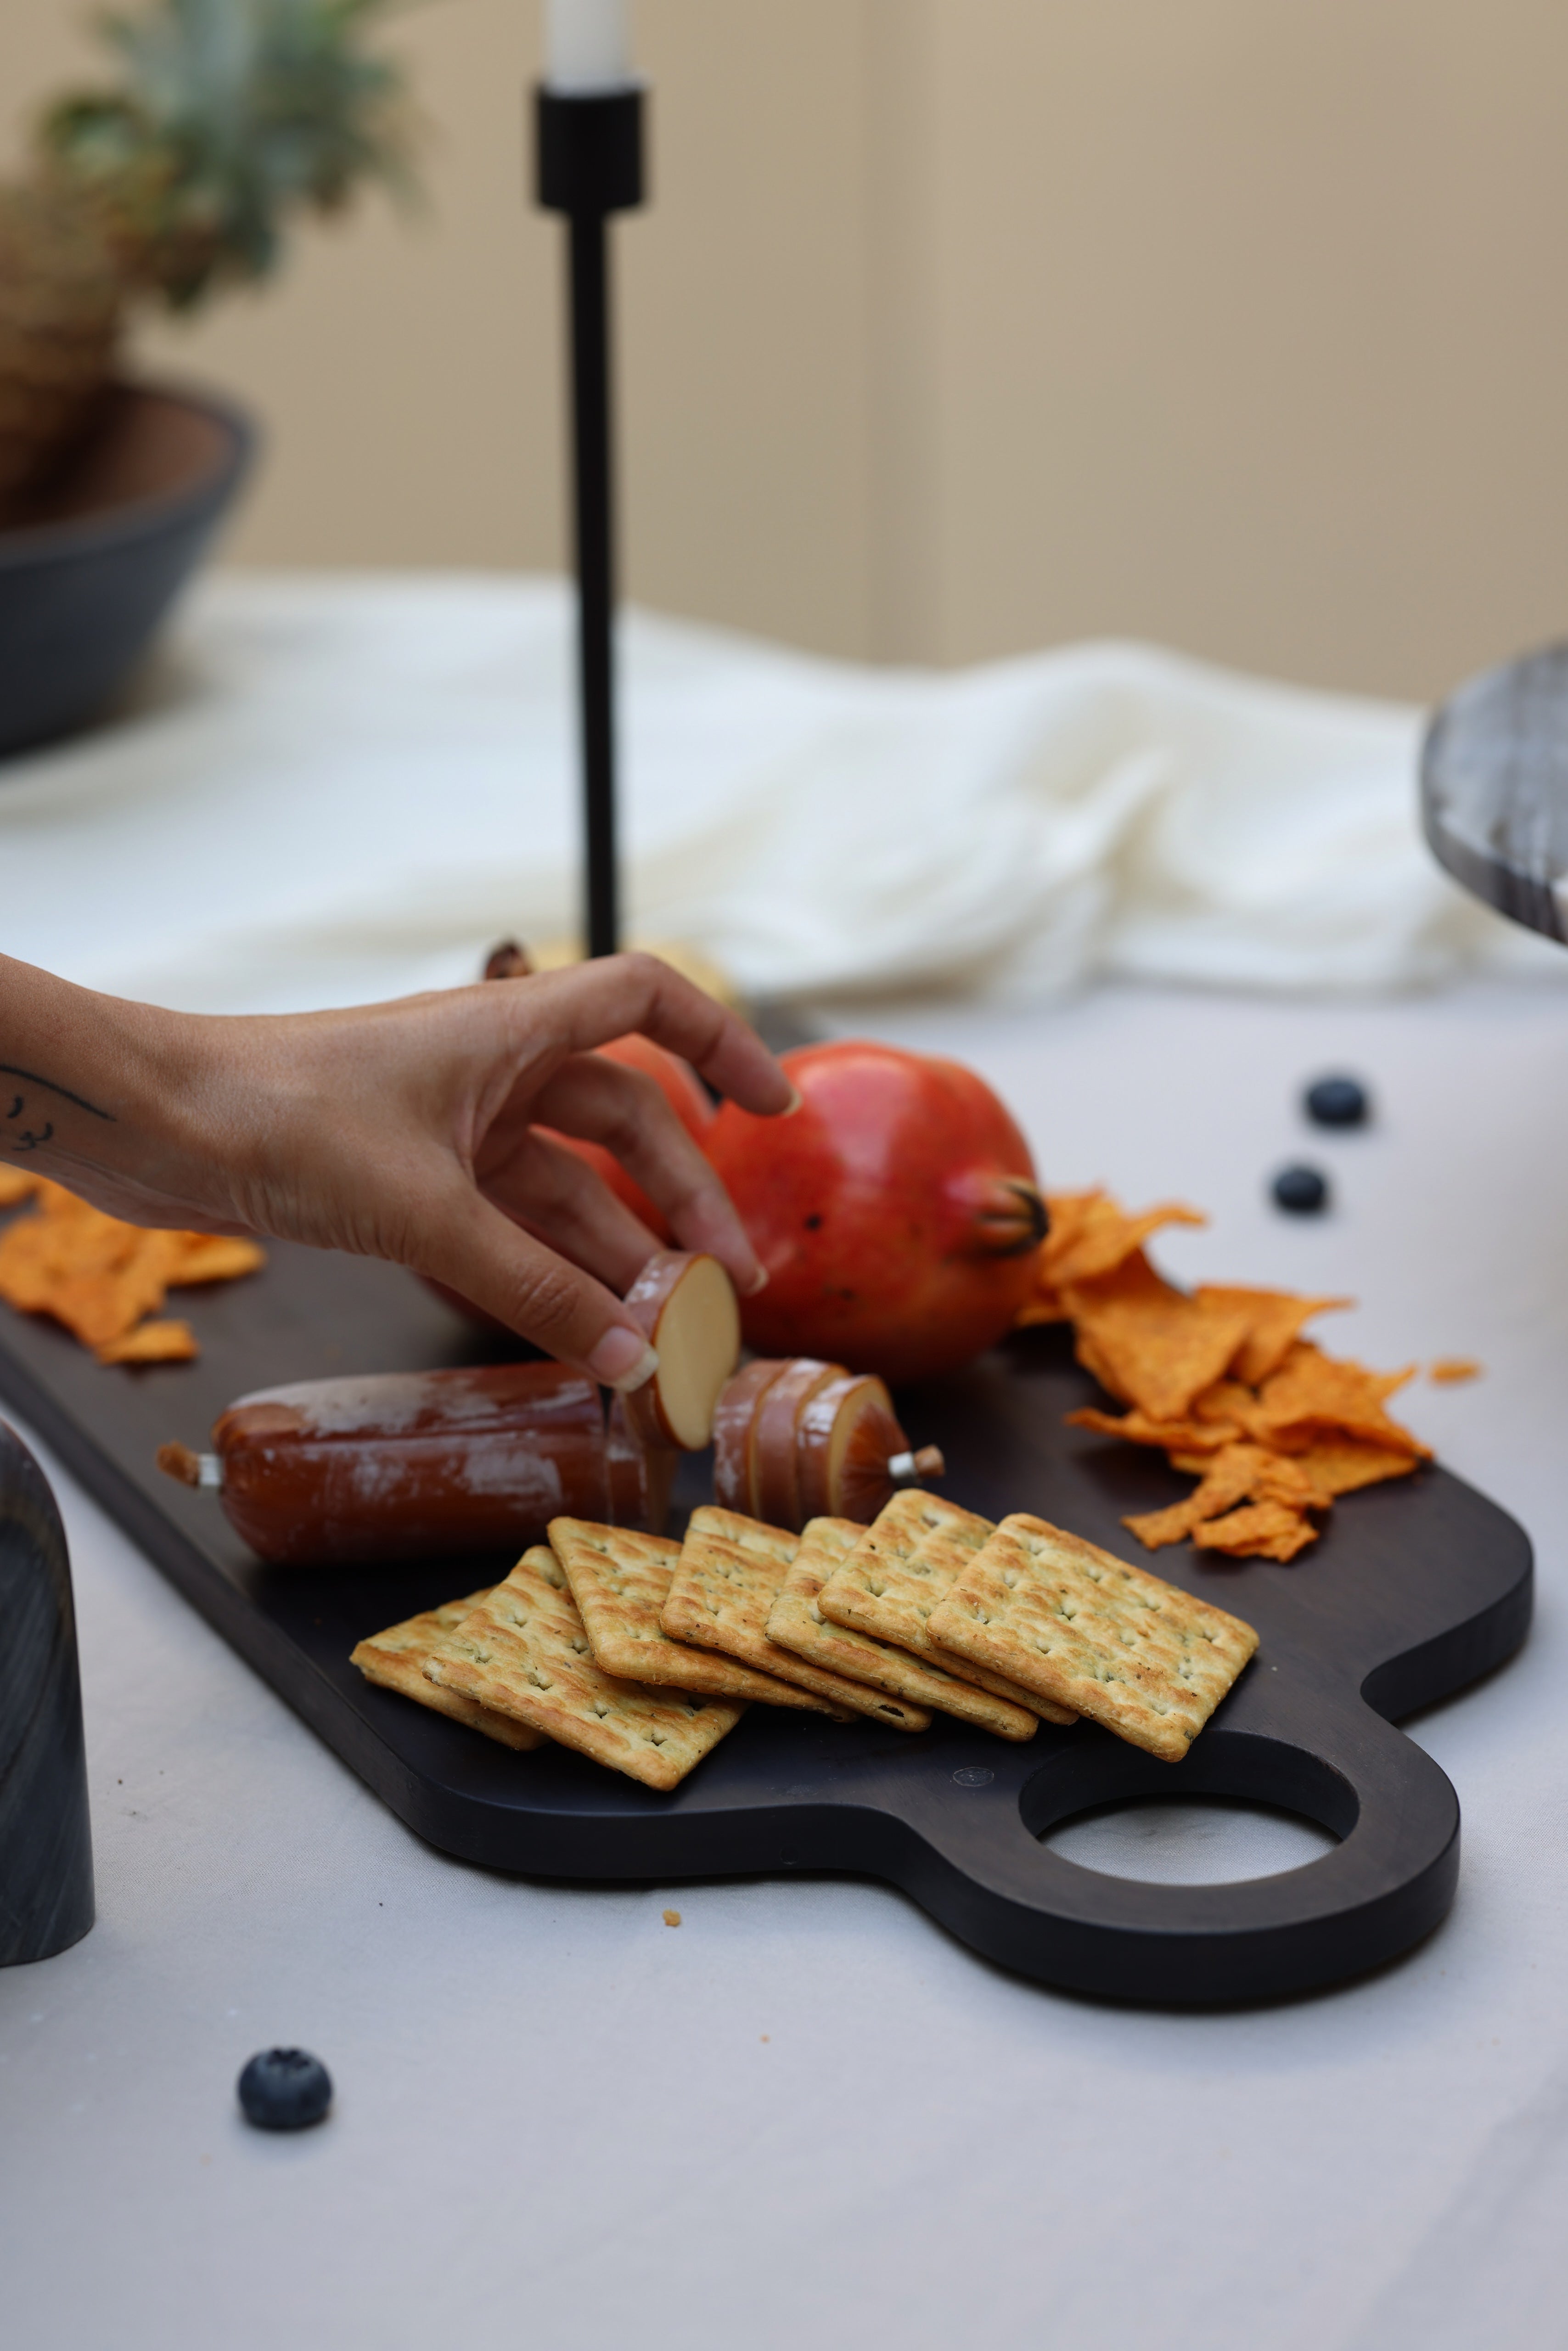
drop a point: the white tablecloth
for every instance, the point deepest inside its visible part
(806, 2116)
(339, 789)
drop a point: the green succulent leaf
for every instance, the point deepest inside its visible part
(230, 117)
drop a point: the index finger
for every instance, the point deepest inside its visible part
(592, 1002)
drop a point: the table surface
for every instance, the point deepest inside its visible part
(805, 2115)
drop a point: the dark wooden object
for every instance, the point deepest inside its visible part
(1494, 789)
(45, 1846)
(1418, 1588)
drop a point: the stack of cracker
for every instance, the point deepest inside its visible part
(521, 1655)
(1035, 1622)
(106, 1279)
(1221, 1380)
(643, 1654)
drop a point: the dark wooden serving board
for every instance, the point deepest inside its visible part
(1417, 1588)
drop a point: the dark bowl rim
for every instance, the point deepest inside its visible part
(119, 525)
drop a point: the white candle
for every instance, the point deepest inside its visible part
(586, 45)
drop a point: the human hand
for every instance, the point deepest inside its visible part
(408, 1130)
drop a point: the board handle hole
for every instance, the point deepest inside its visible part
(1189, 1840)
(1239, 1808)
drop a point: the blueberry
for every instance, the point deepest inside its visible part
(1302, 1190)
(1337, 1101)
(285, 2089)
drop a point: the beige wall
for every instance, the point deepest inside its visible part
(963, 326)
(1251, 328)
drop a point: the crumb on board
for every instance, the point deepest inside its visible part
(672, 1918)
(1449, 1370)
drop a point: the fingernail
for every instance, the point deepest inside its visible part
(623, 1359)
(758, 1281)
(797, 1102)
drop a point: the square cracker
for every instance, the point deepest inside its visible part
(798, 1623)
(731, 1571)
(524, 1652)
(902, 1565)
(395, 1660)
(1110, 1640)
(620, 1581)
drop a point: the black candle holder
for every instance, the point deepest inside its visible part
(589, 151)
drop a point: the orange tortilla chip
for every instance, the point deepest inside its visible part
(1224, 1406)
(1091, 1236)
(26, 1266)
(1275, 1320)
(1150, 1343)
(1222, 1382)
(1237, 1474)
(1155, 1528)
(99, 1307)
(1069, 1214)
(1260, 1531)
(1099, 1364)
(100, 1276)
(213, 1257)
(154, 1342)
(1314, 1396)
(1216, 1417)
(1343, 1466)
(1190, 1435)
(85, 1242)
(15, 1186)
(1264, 1477)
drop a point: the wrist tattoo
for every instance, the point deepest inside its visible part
(14, 1108)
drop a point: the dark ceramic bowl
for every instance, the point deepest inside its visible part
(88, 575)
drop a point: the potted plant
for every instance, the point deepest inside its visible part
(228, 119)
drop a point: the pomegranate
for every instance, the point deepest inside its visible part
(896, 1212)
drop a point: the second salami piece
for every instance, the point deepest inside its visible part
(797, 1439)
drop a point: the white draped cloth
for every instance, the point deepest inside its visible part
(336, 789)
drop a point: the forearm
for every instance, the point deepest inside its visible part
(99, 1093)
(419, 1131)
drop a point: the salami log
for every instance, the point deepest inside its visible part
(407, 1465)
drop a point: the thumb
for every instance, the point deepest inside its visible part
(478, 1252)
